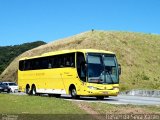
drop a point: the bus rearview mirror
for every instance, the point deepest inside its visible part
(119, 69)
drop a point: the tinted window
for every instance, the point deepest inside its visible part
(60, 61)
(57, 61)
(81, 68)
(21, 65)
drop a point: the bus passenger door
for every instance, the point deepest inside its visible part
(81, 71)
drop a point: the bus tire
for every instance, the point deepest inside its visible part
(27, 90)
(74, 93)
(100, 97)
(33, 90)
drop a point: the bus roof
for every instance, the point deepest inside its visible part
(68, 51)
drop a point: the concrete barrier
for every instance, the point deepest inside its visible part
(148, 93)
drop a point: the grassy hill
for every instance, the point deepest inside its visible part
(8, 53)
(138, 53)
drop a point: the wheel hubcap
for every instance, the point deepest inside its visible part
(74, 92)
(34, 92)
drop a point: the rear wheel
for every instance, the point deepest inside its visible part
(33, 91)
(74, 93)
(27, 89)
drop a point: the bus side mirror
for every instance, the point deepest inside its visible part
(83, 69)
(119, 69)
(84, 66)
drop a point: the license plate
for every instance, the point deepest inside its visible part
(106, 93)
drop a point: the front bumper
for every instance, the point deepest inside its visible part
(106, 93)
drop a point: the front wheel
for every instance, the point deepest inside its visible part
(27, 90)
(74, 93)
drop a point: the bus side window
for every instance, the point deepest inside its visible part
(27, 65)
(72, 59)
(54, 62)
(21, 65)
(50, 64)
(69, 60)
(44, 63)
(81, 66)
(35, 64)
(60, 61)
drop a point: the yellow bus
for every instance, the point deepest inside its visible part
(82, 72)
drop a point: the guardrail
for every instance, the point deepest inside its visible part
(148, 93)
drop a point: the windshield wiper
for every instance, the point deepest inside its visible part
(109, 76)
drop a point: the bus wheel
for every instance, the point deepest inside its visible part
(100, 97)
(27, 90)
(74, 93)
(33, 91)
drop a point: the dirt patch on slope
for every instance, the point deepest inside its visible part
(87, 108)
(99, 111)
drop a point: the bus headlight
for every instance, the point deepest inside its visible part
(115, 88)
(91, 87)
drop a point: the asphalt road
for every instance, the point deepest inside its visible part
(121, 99)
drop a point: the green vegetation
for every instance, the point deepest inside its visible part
(8, 53)
(104, 108)
(14, 104)
(42, 107)
(39, 108)
(138, 54)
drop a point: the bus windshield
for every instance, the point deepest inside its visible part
(102, 68)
